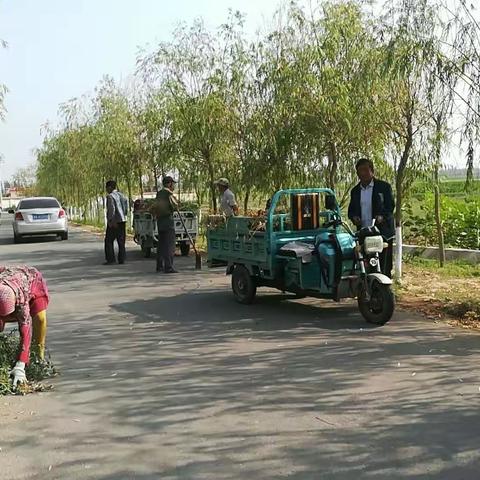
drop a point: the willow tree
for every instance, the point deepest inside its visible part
(158, 138)
(191, 68)
(240, 71)
(55, 171)
(342, 94)
(274, 117)
(461, 47)
(410, 28)
(440, 104)
(25, 178)
(117, 139)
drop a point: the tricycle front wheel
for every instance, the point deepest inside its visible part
(243, 285)
(381, 305)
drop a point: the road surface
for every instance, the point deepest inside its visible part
(166, 377)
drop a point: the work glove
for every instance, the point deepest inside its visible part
(18, 374)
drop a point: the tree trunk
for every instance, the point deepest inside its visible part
(140, 184)
(155, 178)
(129, 189)
(438, 221)
(198, 194)
(438, 205)
(213, 193)
(211, 177)
(97, 210)
(398, 227)
(246, 200)
(332, 166)
(179, 196)
(399, 198)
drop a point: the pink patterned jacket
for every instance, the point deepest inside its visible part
(28, 284)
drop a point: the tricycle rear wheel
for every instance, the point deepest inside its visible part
(147, 251)
(379, 309)
(243, 285)
(185, 249)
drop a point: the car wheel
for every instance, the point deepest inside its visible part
(64, 236)
(16, 238)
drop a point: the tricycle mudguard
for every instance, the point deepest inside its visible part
(380, 278)
(231, 267)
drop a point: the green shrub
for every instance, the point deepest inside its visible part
(460, 219)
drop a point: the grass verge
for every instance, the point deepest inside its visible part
(451, 292)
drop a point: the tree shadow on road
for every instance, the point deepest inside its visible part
(279, 384)
(184, 378)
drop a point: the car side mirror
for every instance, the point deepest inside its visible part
(11, 211)
(330, 202)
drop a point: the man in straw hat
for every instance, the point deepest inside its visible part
(228, 205)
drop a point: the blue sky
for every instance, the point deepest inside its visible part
(59, 49)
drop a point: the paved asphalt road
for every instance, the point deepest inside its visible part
(166, 377)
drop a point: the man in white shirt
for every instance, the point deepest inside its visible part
(228, 205)
(366, 192)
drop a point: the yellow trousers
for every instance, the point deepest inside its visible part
(39, 332)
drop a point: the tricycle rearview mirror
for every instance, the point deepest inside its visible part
(330, 202)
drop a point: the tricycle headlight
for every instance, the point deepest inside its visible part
(373, 244)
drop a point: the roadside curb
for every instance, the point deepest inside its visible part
(450, 253)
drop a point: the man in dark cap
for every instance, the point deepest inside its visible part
(165, 207)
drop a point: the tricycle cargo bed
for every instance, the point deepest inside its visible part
(237, 241)
(146, 235)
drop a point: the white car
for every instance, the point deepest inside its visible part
(39, 216)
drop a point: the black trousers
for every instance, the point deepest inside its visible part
(165, 249)
(386, 260)
(117, 233)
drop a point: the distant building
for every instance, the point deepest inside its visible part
(15, 192)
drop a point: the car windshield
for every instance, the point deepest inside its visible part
(38, 203)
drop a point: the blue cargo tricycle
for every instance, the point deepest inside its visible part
(303, 246)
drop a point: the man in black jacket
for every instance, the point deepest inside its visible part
(164, 209)
(373, 199)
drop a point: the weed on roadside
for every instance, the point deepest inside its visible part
(466, 311)
(36, 371)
